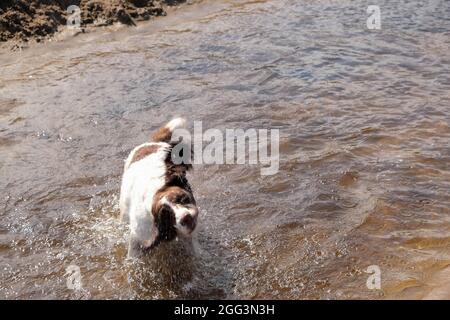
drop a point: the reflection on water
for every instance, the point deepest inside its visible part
(364, 172)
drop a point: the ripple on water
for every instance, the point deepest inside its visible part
(364, 153)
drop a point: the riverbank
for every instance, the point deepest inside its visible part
(38, 20)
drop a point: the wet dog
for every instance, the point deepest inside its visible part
(155, 195)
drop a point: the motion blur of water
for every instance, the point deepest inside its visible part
(364, 153)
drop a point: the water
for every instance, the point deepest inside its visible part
(365, 153)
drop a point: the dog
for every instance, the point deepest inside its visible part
(155, 196)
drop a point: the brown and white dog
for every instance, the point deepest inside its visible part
(155, 196)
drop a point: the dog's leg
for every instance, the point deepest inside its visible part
(124, 203)
(134, 249)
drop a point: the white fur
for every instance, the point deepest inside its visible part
(176, 123)
(132, 153)
(141, 180)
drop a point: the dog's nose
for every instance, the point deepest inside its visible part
(188, 221)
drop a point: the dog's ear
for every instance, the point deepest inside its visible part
(163, 228)
(165, 222)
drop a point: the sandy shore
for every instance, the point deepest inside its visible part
(37, 20)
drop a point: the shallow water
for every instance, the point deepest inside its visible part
(364, 152)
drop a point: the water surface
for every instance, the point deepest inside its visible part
(364, 153)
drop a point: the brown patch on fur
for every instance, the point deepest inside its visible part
(143, 152)
(163, 134)
(173, 194)
(176, 174)
(165, 222)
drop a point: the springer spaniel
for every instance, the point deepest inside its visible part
(155, 196)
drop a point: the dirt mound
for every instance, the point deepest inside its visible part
(37, 19)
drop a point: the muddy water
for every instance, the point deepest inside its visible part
(364, 151)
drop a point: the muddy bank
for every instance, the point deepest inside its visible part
(23, 20)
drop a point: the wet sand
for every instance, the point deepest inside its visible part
(36, 20)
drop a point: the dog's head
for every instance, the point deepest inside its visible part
(175, 213)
